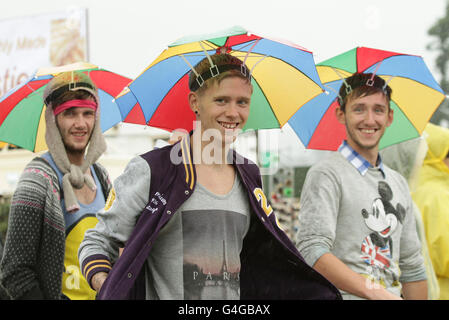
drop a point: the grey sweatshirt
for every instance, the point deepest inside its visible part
(364, 220)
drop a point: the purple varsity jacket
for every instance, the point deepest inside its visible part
(271, 266)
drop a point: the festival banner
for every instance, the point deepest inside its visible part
(28, 43)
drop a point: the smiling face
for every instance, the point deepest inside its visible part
(76, 125)
(223, 107)
(366, 119)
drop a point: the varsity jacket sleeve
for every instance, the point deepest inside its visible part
(128, 197)
(317, 215)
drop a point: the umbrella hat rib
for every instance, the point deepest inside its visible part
(401, 129)
(345, 61)
(22, 120)
(153, 85)
(280, 87)
(109, 82)
(255, 67)
(126, 101)
(241, 40)
(174, 102)
(187, 50)
(109, 114)
(40, 142)
(15, 96)
(257, 118)
(278, 69)
(329, 74)
(367, 57)
(407, 66)
(298, 59)
(407, 92)
(310, 115)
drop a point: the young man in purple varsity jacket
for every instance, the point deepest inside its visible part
(192, 216)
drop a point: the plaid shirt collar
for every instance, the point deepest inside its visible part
(359, 162)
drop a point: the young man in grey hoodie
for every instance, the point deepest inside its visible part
(356, 224)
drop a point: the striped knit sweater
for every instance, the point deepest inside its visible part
(33, 257)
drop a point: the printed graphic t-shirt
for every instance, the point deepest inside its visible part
(197, 254)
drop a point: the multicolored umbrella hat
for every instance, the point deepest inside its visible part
(22, 120)
(284, 78)
(416, 96)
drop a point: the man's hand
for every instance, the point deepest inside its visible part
(98, 280)
(347, 280)
(374, 291)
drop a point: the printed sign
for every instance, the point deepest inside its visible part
(29, 43)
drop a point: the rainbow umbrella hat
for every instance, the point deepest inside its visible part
(284, 78)
(415, 97)
(22, 110)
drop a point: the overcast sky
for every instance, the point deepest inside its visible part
(125, 36)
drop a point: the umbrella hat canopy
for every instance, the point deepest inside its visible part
(22, 110)
(158, 96)
(416, 96)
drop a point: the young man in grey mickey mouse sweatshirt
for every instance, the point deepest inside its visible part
(356, 225)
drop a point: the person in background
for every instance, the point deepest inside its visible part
(356, 221)
(431, 195)
(407, 158)
(57, 197)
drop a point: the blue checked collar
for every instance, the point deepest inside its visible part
(359, 162)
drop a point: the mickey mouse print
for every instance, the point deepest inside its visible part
(377, 247)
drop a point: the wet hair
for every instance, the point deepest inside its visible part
(71, 95)
(227, 65)
(361, 86)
